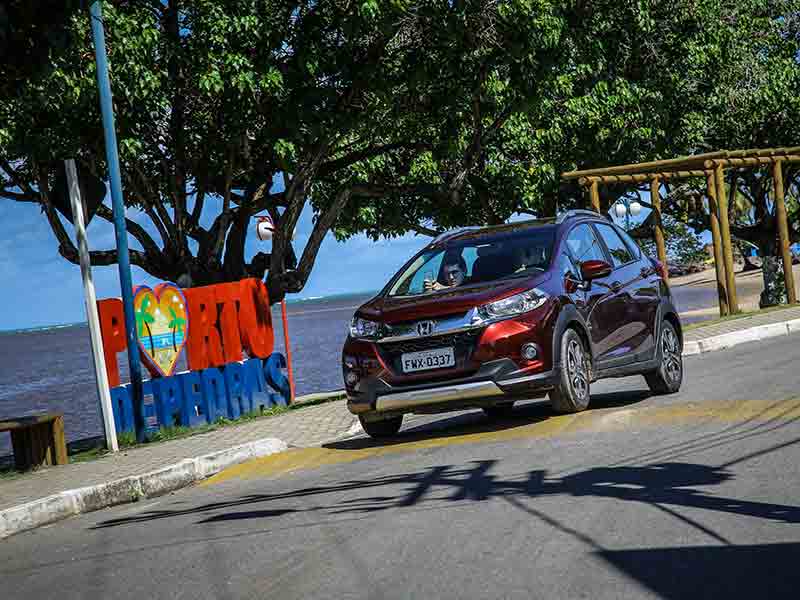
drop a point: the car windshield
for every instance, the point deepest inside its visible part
(476, 260)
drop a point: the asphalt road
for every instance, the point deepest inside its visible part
(694, 495)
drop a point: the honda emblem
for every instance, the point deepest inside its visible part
(425, 327)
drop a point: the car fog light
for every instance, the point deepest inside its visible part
(351, 378)
(529, 351)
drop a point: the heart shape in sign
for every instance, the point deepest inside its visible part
(162, 325)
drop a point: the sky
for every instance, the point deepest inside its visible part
(40, 288)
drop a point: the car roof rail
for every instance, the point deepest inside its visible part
(452, 232)
(578, 212)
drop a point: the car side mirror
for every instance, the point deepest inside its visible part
(595, 269)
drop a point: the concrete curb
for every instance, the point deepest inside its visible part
(130, 489)
(753, 334)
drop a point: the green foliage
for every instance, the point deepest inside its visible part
(428, 114)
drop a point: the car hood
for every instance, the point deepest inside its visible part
(387, 309)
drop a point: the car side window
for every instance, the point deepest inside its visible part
(429, 270)
(635, 249)
(620, 254)
(566, 267)
(583, 245)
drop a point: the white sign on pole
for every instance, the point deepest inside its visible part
(101, 376)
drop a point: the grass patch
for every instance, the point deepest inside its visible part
(736, 317)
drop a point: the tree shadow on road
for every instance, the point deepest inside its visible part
(720, 569)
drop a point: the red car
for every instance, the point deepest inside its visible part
(485, 316)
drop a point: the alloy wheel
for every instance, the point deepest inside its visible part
(671, 355)
(576, 369)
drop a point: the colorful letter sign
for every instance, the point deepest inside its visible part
(162, 323)
(227, 320)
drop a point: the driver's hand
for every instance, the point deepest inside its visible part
(428, 285)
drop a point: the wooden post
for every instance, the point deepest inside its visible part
(719, 261)
(594, 196)
(60, 442)
(727, 248)
(655, 200)
(783, 231)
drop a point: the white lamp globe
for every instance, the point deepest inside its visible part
(619, 209)
(264, 228)
(635, 208)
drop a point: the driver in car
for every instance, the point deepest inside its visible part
(453, 274)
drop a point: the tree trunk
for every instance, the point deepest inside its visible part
(774, 283)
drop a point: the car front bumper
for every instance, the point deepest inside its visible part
(496, 382)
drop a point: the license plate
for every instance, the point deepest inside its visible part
(428, 359)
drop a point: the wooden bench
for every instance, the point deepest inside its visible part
(37, 440)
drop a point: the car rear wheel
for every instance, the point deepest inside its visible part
(571, 394)
(382, 429)
(499, 411)
(668, 377)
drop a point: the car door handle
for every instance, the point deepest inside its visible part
(647, 272)
(616, 286)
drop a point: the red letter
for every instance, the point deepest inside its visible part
(112, 330)
(255, 318)
(227, 294)
(204, 345)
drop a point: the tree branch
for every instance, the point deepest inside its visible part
(324, 223)
(136, 230)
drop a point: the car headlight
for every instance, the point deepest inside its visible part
(512, 306)
(364, 329)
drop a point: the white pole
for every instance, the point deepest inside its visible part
(101, 377)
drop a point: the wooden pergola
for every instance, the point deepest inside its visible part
(712, 166)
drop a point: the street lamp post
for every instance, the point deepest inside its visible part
(118, 207)
(625, 208)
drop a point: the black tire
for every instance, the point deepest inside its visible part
(382, 429)
(572, 393)
(499, 411)
(668, 377)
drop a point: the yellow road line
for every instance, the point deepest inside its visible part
(611, 419)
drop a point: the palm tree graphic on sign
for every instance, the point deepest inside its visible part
(178, 324)
(143, 320)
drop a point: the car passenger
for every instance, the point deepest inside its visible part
(453, 274)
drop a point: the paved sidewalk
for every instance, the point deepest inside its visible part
(743, 323)
(308, 426)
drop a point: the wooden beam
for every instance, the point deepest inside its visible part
(751, 162)
(656, 165)
(694, 162)
(641, 177)
(594, 196)
(727, 247)
(655, 199)
(719, 261)
(783, 231)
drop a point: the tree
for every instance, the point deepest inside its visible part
(31, 31)
(386, 117)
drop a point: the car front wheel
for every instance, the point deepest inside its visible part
(571, 394)
(382, 429)
(668, 377)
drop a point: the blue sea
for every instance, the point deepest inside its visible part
(50, 369)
